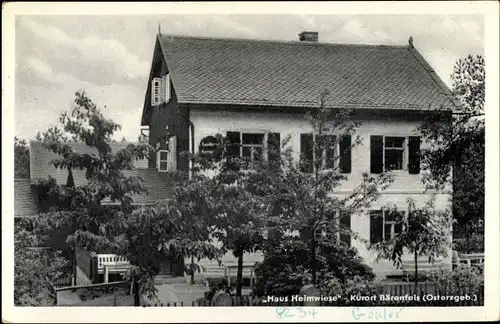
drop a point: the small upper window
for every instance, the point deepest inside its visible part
(155, 91)
(160, 90)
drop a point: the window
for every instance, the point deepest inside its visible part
(384, 225)
(210, 147)
(326, 152)
(395, 153)
(155, 91)
(345, 223)
(163, 160)
(167, 159)
(252, 145)
(160, 90)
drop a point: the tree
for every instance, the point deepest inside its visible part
(162, 231)
(231, 212)
(424, 232)
(299, 195)
(456, 140)
(21, 159)
(34, 268)
(94, 225)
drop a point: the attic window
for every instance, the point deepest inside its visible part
(160, 90)
(155, 91)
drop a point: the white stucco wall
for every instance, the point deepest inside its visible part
(405, 185)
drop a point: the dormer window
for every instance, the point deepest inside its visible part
(160, 90)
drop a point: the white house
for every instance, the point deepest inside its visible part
(248, 89)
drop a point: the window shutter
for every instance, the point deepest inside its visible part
(306, 152)
(273, 146)
(345, 221)
(345, 154)
(376, 226)
(233, 148)
(167, 88)
(376, 154)
(162, 90)
(414, 154)
(331, 143)
(172, 154)
(155, 91)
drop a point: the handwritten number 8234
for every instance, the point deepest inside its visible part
(289, 312)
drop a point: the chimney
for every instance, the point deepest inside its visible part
(307, 36)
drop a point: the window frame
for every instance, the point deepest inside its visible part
(324, 153)
(159, 160)
(253, 146)
(404, 148)
(393, 224)
(264, 144)
(156, 91)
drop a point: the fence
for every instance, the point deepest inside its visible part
(80, 295)
(402, 295)
(64, 281)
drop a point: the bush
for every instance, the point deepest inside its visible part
(34, 269)
(462, 279)
(286, 267)
(471, 244)
(216, 285)
(357, 285)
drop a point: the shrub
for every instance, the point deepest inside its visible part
(34, 269)
(357, 285)
(462, 279)
(216, 285)
(286, 266)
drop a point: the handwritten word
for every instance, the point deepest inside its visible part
(294, 312)
(379, 313)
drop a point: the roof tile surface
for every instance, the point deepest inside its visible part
(294, 74)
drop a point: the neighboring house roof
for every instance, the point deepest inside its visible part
(157, 183)
(294, 74)
(25, 199)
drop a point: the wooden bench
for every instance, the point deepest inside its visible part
(468, 260)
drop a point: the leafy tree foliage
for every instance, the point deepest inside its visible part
(424, 232)
(35, 268)
(98, 227)
(298, 193)
(287, 263)
(457, 140)
(21, 158)
(100, 213)
(218, 195)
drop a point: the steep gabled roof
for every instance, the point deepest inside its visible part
(25, 199)
(157, 184)
(294, 74)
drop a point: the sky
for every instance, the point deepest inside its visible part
(109, 57)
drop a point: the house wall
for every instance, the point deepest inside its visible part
(211, 122)
(170, 115)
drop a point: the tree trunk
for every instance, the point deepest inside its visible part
(313, 258)
(416, 268)
(239, 276)
(74, 267)
(192, 270)
(136, 290)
